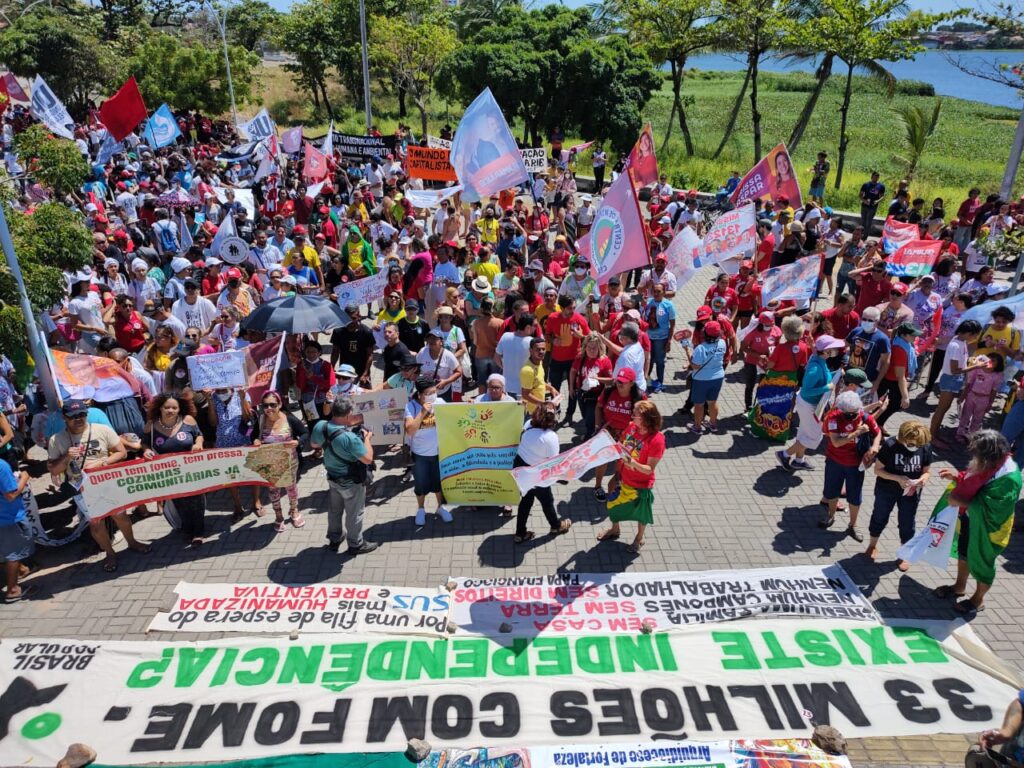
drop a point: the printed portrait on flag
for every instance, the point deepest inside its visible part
(773, 178)
(484, 152)
(642, 164)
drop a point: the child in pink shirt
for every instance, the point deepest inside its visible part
(983, 384)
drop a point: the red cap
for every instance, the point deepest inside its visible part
(899, 288)
(298, 229)
(324, 209)
(234, 274)
(704, 312)
(746, 264)
(692, 193)
(714, 328)
(626, 375)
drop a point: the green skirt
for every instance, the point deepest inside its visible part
(631, 504)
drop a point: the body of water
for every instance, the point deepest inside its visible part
(929, 66)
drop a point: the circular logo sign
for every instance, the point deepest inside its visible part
(606, 239)
(234, 250)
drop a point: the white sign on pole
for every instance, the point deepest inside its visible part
(535, 158)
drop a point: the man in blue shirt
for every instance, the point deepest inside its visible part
(869, 348)
(347, 454)
(871, 193)
(816, 384)
(15, 534)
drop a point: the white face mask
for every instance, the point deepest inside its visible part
(344, 385)
(224, 396)
(429, 399)
(867, 326)
(580, 272)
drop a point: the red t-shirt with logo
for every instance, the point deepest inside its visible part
(565, 346)
(130, 332)
(897, 360)
(789, 356)
(641, 448)
(842, 324)
(842, 424)
(760, 342)
(748, 291)
(616, 409)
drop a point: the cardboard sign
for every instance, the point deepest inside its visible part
(535, 159)
(430, 164)
(219, 370)
(384, 414)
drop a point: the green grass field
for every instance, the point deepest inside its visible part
(969, 147)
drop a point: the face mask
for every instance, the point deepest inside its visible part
(344, 385)
(224, 396)
(429, 399)
(867, 326)
(580, 272)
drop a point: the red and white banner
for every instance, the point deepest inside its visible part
(315, 166)
(914, 259)
(569, 465)
(896, 234)
(731, 239)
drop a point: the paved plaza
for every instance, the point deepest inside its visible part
(720, 502)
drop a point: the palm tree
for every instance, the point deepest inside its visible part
(918, 126)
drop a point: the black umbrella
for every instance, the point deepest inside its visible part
(298, 313)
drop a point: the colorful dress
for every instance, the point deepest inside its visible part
(281, 432)
(229, 422)
(634, 498)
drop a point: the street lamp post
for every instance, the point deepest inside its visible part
(366, 65)
(222, 23)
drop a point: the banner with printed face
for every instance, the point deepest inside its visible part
(569, 465)
(581, 603)
(478, 442)
(89, 377)
(914, 259)
(617, 240)
(535, 159)
(642, 164)
(384, 414)
(326, 608)
(49, 110)
(896, 234)
(484, 154)
(791, 282)
(218, 370)
(430, 164)
(151, 702)
(262, 361)
(106, 490)
(773, 178)
(365, 290)
(683, 255)
(732, 238)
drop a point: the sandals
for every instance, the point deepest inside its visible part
(854, 534)
(110, 566)
(238, 514)
(506, 512)
(608, 535)
(144, 549)
(563, 527)
(26, 591)
(528, 536)
(635, 547)
(297, 519)
(279, 526)
(947, 591)
(259, 511)
(967, 608)
(827, 522)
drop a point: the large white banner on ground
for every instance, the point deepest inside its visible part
(142, 702)
(580, 603)
(312, 608)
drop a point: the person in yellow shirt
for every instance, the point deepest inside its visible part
(999, 336)
(532, 384)
(488, 226)
(306, 251)
(484, 267)
(357, 211)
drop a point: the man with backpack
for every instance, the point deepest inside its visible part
(348, 460)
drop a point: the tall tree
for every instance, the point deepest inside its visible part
(672, 31)
(754, 27)
(250, 22)
(863, 33)
(299, 33)
(410, 52)
(918, 127)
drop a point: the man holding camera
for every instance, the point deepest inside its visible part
(348, 458)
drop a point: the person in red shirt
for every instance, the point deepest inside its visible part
(327, 227)
(873, 285)
(748, 293)
(756, 344)
(213, 281)
(614, 413)
(564, 329)
(129, 326)
(591, 370)
(766, 247)
(643, 445)
(721, 289)
(628, 315)
(843, 317)
(896, 379)
(852, 440)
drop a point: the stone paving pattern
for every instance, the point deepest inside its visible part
(720, 502)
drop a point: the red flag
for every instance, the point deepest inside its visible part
(315, 167)
(617, 241)
(5, 98)
(914, 258)
(124, 110)
(13, 88)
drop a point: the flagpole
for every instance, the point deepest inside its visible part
(222, 27)
(366, 65)
(35, 342)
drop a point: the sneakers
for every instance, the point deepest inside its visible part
(332, 546)
(600, 494)
(655, 387)
(444, 514)
(421, 516)
(784, 461)
(363, 549)
(801, 463)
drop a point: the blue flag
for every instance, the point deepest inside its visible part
(108, 149)
(484, 153)
(161, 129)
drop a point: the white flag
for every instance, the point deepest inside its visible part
(49, 110)
(431, 198)
(224, 231)
(185, 235)
(267, 167)
(328, 147)
(259, 128)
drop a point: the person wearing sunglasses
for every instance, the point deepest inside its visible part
(873, 285)
(276, 426)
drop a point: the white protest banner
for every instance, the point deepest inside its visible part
(106, 490)
(259, 128)
(384, 414)
(327, 608)
(49, 110)
(431, 198)
(363, 291)
(535, 159)
(248, 697)
(435, 143)
(568, 465)
(242, 196)
(683, 255)
(291, 140)
(732, 238)
(580, 603)
(218, 370)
